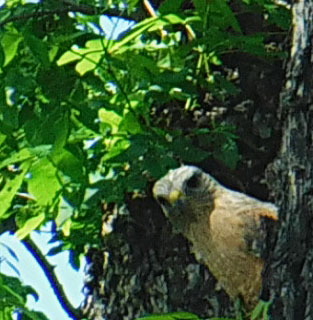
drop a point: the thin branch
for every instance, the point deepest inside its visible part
(54, 282)
(69, 7)
(190, 33)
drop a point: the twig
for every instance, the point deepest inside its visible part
(69, 7)
(190, 33)
(153, 14)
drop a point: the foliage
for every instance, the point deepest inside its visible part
(171, 316)
(177, 316)
(261, 311)
(81, 107)
(13, 299)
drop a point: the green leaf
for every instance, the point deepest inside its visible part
(16, 157)
(30, 225)
(44, 182)
(10, 42)
(253, 44)
(4, 14)
(111, 118)
(66, 210)
(69, 165)
(2, 138)
(116, 148)
(172, 19)
(10, 189)
(14, 296)
(186, 150)
(201, 7)
(51, 128)
(279, 15)
(228, 153)
(2, 57)
(172, 316)
(170, 6)
(68, 57)
(223, 15)
(38, 48)
(138, 30)
(130, 123)
(261, 311)
(146, 68)
(88, 64)
(90, 55)
(96, 44)
(56, 83)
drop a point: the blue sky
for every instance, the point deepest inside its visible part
(32, 274)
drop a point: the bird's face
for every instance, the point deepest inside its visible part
(184, 194)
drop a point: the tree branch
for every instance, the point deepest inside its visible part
(49, 273)
(69, 6)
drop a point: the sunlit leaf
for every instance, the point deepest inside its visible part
(16, 157)
(68, 57)
(96, 44)
(10, 42)
(111, 118)
(172, 18)
(10, 189)
(117, 148)
(88, 64)
(30, 225)
(44, 173)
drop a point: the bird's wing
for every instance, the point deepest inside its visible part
(255, 226)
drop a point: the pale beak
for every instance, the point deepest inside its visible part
(174, 196)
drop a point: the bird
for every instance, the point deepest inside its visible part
(226, 228)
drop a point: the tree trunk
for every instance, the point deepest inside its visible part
(146, 268)
(290, 177)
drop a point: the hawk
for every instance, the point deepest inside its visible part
(225, 228)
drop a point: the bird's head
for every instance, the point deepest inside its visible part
(184, 194)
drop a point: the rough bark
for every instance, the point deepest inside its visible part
(289, 277)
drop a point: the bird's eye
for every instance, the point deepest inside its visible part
(194, 182)
(162, 201)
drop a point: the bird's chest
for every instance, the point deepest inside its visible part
(217, 240)
(220, 245)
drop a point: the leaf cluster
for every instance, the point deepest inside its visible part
(178, 316)
(13, 299)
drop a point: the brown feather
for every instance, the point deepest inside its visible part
(224, 227)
